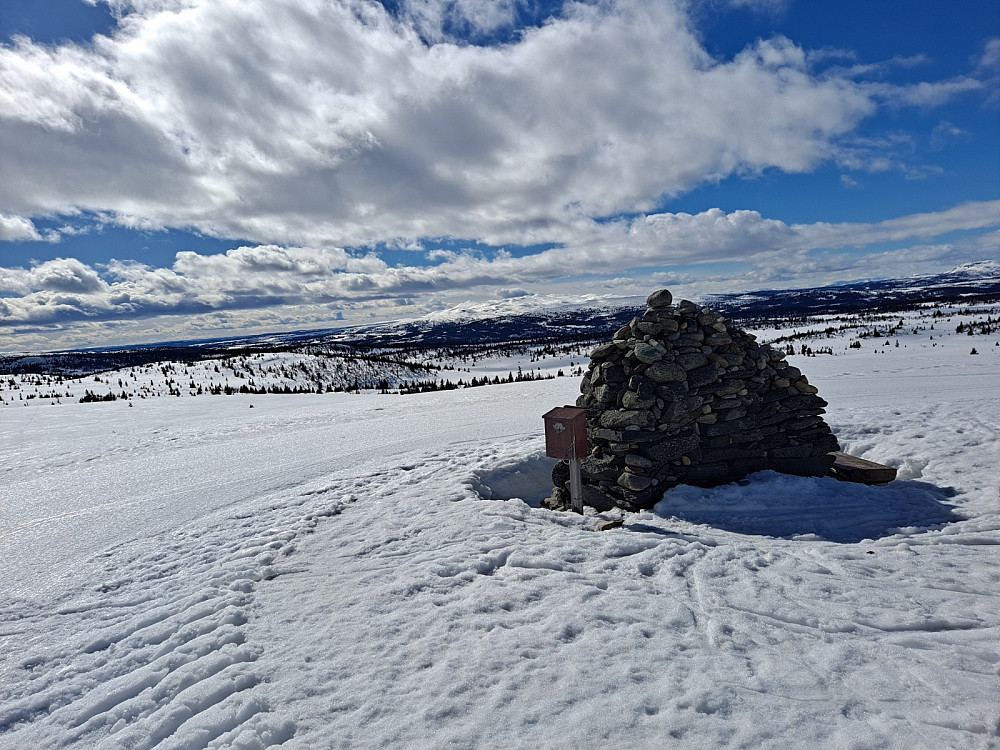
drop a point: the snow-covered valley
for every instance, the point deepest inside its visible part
(369, 570)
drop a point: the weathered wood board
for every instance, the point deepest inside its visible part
(854, 469)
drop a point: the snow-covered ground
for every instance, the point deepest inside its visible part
(368, 571)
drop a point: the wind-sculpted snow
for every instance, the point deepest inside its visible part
(154, 651)
(376, 571)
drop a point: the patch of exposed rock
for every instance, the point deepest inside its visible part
(680, 396)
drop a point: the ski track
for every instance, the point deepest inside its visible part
(159, 657)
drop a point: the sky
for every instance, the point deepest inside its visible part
(183, 169)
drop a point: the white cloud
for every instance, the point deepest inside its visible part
(926, 93)
(14, 282)
(333, 123)
(968, 216)
(251, 280)
(66, 275)
(989, 61)
(17, 229)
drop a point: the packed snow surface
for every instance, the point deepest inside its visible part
(374, 571)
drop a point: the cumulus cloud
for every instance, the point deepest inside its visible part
(66, 275)
(13, 283)
(270, 276)
(338, 124)
(17, 229)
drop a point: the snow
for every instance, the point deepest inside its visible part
(376, 571)
(526, 304)
(987, 269)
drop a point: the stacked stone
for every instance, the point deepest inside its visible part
(681, 397)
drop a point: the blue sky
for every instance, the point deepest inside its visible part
(171, 169)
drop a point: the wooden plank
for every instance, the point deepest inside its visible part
(854, 469)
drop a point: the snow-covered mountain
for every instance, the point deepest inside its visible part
(971, 283)
(982, 269)
(528, 304)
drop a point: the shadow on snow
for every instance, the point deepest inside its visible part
(821, 508)
(763, 504)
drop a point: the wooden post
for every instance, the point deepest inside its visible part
(575, 485)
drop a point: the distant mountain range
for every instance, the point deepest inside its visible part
(968, 284)
(539, 318)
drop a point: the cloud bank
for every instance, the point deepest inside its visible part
(268, 276)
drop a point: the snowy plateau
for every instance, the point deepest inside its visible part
(364, 569)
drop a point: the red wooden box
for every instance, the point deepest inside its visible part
(566, 432)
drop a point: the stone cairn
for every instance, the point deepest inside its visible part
(682, 397)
